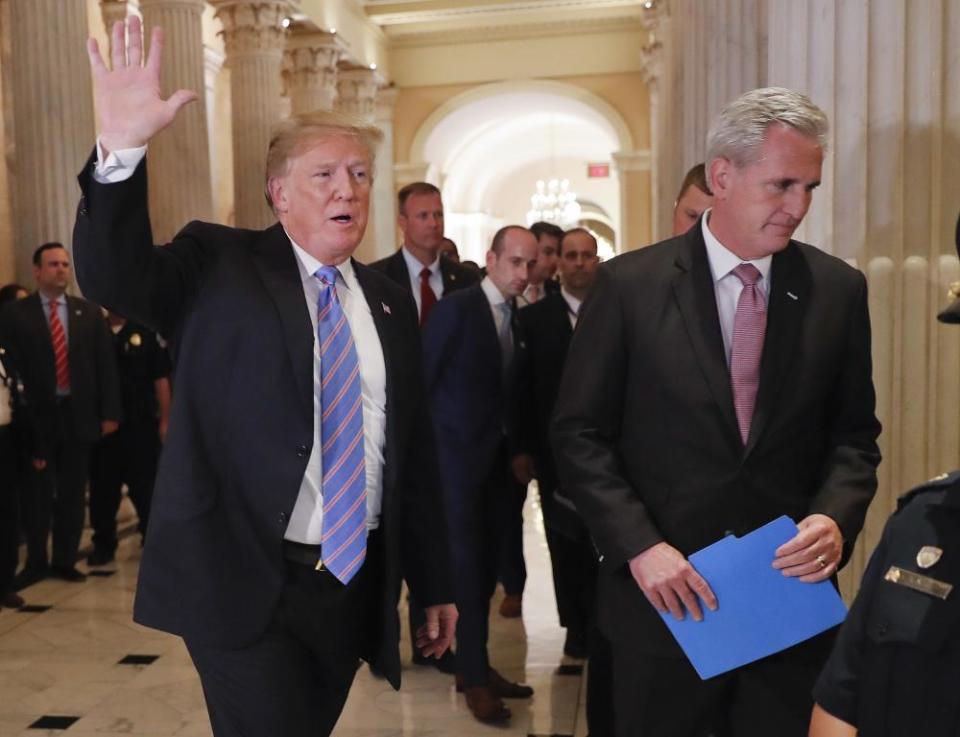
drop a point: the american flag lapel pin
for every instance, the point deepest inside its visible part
(386, 307)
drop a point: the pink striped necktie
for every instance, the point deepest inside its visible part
(749, 326)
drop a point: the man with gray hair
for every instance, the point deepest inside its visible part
(716, 381)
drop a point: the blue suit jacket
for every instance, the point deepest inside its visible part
(471, 403)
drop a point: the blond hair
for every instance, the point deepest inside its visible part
(292, 136)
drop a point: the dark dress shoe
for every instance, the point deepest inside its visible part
(30, 575)
(446, 663)
(512, 606)
(508, 689)
(485, 705)
(99, 558)
(12, 601)
(67, 573)
(501, 687)
(575, 645)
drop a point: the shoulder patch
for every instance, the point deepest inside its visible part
(937, 483)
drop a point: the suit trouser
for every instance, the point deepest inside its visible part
(664, 697)
(294, 680)
(128, 456)
(574, 566)
(474, 521)
(512, 570)
(9, 508)
(56, 496)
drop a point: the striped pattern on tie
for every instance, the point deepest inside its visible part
(749, 328)
(344, 542)
(58, 337)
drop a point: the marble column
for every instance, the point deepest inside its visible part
(52, 100)
(179, 157)
(634, 172)
(357, 92)
(382, 231)
(310, 68)
(658, 76)
(254, 38)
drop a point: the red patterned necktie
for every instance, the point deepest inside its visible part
(749, 326)
(59, 339)
(427, 297)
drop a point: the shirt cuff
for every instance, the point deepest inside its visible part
(118, 165)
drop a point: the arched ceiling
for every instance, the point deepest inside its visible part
(480, 143)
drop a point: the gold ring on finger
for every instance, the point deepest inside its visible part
(821, 561)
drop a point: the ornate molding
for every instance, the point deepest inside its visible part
(310, 62)
(357, 90)
(385, 102)
(253, 26)
(656, 17)
(633, 160)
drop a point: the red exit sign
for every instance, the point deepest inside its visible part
(598, 171)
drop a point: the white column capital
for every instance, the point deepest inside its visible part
(626, 161)
(385, 102)
(357, 90)
(310, 67)
(253, 27)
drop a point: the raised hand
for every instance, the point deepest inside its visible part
(129, 105)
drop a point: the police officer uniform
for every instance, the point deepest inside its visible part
(130, 455)
(895, 669)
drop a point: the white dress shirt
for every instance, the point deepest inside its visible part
(414, 267)
(306, 521)
(726, 285)
(573, 306)
(495, 298)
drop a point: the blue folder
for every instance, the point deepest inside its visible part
(760, 611)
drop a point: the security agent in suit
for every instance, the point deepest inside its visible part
(417, 265)
(14, 438)
(683, 418)
(472, 350)
(893, 670)
(299, 465)
(73, 398)
(129, 456)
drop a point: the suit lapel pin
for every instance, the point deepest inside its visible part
(453, 277)
(792, 296)
(386, 308)
(928, 556)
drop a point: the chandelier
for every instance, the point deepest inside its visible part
(553, 202)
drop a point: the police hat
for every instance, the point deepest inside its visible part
(952, 313)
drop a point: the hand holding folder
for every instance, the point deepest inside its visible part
(760, 610)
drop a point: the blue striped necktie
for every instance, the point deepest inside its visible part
(344, 543)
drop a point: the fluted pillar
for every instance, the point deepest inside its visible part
(634, 172)
(52, 100)
(357, 91)
(310, 68)
(179, 157)
(254, 38)
(658, 76)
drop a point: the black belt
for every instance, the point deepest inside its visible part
(310, 555)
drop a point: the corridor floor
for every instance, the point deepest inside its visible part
(76, 664)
